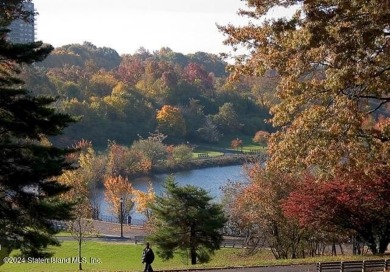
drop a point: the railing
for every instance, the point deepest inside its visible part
(114, 219)
(352, 266)
(230, 242)
(203, 155)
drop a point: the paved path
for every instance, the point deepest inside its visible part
(287, 268)
(114, 229)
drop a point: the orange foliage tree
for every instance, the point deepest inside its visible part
(236, 143)
(125, 161)
(143, 200)
(261, 137)
(117, 188)
(256, 209)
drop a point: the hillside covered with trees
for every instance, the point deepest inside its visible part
(119, 98)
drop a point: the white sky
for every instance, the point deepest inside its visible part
(185, 26)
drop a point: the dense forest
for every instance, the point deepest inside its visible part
(122, 98)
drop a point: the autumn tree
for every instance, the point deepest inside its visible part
(195, 74)
(186, 219)
(143, 200)
(333, 61)
(125, 161)
(256, 209)
(29, 164)
(261, 137)
(236, 143)
(152, 147)
(356, 204)
(82, 182)
(119, 191)
(170, 121)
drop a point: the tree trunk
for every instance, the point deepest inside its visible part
(80, 264)
(192, 243)
(80, 240)
(383, 243)
(193, 256)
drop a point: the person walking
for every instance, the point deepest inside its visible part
(148, 258)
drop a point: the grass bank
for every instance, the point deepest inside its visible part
(105, 256)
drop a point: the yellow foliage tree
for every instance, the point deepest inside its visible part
(117, 189)
(171, 121)
(143, 200)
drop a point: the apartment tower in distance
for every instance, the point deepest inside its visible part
(22, 31)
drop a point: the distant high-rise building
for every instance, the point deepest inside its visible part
(22, 31)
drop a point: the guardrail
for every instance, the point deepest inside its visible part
(354, 266)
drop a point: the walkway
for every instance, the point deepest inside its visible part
(286, 268)
(114, 229)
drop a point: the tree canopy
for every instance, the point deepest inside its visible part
(29, 164)
(116, 97)
(333, 60)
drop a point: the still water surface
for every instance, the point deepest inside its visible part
(210, 179)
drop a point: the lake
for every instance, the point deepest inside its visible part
(210, 179)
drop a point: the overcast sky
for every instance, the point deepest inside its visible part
(186, 26)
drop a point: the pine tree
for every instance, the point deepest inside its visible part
(185, 219)
(29, 164)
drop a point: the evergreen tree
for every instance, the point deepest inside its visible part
(184, 219)
(28, 162)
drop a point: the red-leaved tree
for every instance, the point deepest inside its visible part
(353, 202)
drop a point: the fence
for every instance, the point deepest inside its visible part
(114, 219)
(352, 266)
(203, 155)
(227, 242)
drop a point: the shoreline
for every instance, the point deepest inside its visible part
(206, 163)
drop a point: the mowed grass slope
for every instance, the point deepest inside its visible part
(127, 257)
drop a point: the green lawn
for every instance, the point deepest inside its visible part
(127, 257)
(124, 257)
(209, 152)
(247, 142)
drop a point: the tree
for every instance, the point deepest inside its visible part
(170, 121)
(126, 161)
(29, 165)
(185, 219)
(357, 204)
(143, 200)
(227, 118)
(119, 191)
(333, 60)
(81, 225)
(236, 143)
(256, 209)
(182, 153)
(152, 148)
(209, 132)
(261, 137)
